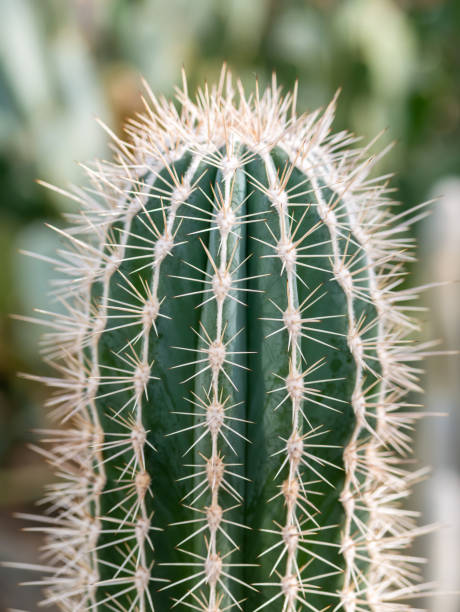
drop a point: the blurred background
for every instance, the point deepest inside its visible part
(64, 62)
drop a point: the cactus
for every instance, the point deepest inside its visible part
(233, 365)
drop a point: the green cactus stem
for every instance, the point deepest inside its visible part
(233, 365)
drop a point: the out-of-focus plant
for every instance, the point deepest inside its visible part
(440, 249)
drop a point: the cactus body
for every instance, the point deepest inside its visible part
(234, 366)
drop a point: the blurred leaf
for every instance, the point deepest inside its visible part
(33, 284)
(23, 56)
(384, 35)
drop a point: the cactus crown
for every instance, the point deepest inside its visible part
(233, 368)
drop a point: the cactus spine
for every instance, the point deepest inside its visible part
(234, 365)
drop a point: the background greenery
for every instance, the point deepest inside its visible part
(62, 62)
